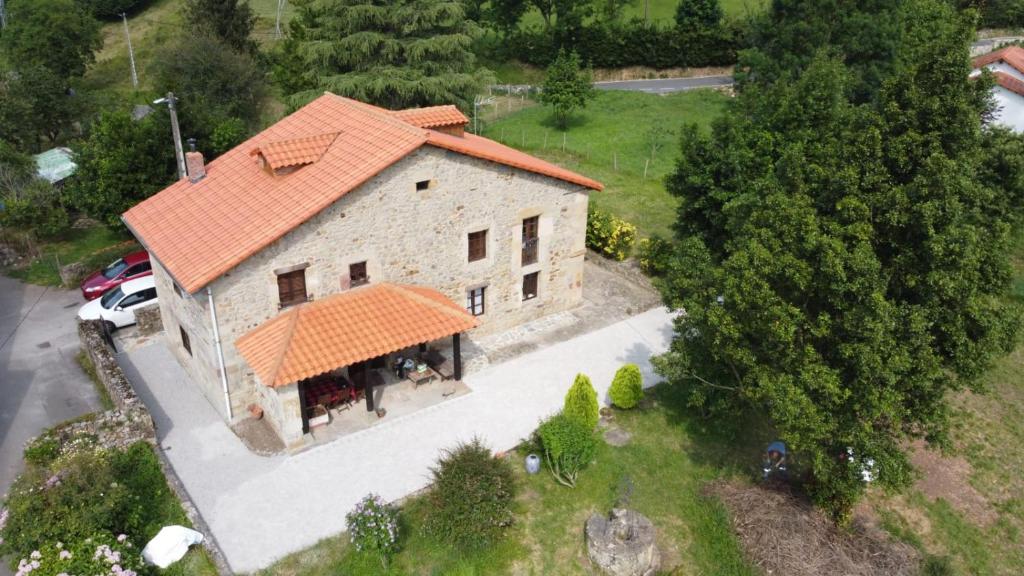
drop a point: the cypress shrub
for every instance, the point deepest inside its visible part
(627, 387)
(568, 447)
(581, 402)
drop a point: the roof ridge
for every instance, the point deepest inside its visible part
(406, 290)
(287, 337)
(382, 113)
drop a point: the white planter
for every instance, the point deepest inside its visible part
(320, 417)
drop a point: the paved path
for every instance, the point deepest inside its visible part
(261, 509)
(666, 85)
(41, 384)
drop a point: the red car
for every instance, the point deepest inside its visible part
(132, 266)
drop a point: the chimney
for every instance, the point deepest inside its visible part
(194, 163)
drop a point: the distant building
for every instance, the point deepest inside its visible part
(1007, 66)
(55, 165)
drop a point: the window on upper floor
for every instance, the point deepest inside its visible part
(477, 245)
(531, 229)
(357, 275)
(475, 301)
(422, 185)
(291, 288)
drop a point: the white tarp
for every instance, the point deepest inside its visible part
(169, 545)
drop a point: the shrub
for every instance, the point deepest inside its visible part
(627, 387)
(34, 206)
(373, 526)
(654, 254)
(42, 451)
(569, 446)
(612, 237)
(581, 402)
(96, 556)
(472, 497)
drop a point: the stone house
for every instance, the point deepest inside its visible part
(346, 232)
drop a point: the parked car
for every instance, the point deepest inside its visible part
(132, 266)
(117, 306)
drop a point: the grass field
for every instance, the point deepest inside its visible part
(667, 463)
(611, 141)
(93, 247)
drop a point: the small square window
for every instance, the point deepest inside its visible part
(291, 288)
(422, 185)
(185, 342)
(530, 285)
(477, 245)
(357, 275)
(475, 301)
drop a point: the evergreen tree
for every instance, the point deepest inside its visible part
(842, 263)
(566, 87)
(581, 403)
(392, 53)
(230, 21)
(698, 15)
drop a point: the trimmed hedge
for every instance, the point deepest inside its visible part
(581, 402)
(627, 387)
(568, 446)
(634, 43)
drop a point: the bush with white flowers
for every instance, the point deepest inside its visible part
(100, 556)
(373, 525)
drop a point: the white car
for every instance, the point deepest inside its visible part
(117, 306)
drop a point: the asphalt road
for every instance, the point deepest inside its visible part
(666, 85)
(41, 384)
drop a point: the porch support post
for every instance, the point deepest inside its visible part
(367, 388)
(457, 355)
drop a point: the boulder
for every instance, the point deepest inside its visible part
(622, 544)
(73, 273)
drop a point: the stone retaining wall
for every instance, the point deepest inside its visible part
(130, 422)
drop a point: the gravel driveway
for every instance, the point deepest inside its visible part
(262, 508)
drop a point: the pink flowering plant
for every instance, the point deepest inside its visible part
(98, 556)
(373, 526)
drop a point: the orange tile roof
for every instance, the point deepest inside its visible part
(432, 117)
(295, 152)
(1011, 83)
(1012, 55)
(201, 230)
(353, 326)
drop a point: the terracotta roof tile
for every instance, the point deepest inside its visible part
(1012, 55)
(1011, 83)
(295, 152)
(346, 328)
(201, 230)
(486, 149)
(433, 116)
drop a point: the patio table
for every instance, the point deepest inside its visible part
(418, 378)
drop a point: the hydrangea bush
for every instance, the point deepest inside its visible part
(99, 556)
(373, 525)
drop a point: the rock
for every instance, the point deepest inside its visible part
(148, 320)
(8, 256)
(616, 436)
(73, 273)
(622, 544)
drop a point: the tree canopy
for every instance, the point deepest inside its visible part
(698, 14)
(566, 87)
(230, 21)
(842, 253)
(393, 53)
(59, 35)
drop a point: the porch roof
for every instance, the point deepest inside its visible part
(350, 327)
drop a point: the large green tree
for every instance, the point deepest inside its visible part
(841, 262)
(122, 162)
(36, 106)
(567, 87)
(393, 53)
(59, 35)
(230, 21)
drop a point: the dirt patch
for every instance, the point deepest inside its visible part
(783, 534)
(645, 73)
(258, 436)
(948, 478)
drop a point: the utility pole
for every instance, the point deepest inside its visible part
(3, 15)
(171, 102)
(131, 53)
(277, 25)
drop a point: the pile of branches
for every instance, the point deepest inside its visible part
(783, 534)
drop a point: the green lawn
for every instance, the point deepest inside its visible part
(611, 142)
(667, 464)
(94, 247)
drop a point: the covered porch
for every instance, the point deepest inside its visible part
(340, 361)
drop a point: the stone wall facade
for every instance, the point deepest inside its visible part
(147, 320)
(405, 236)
